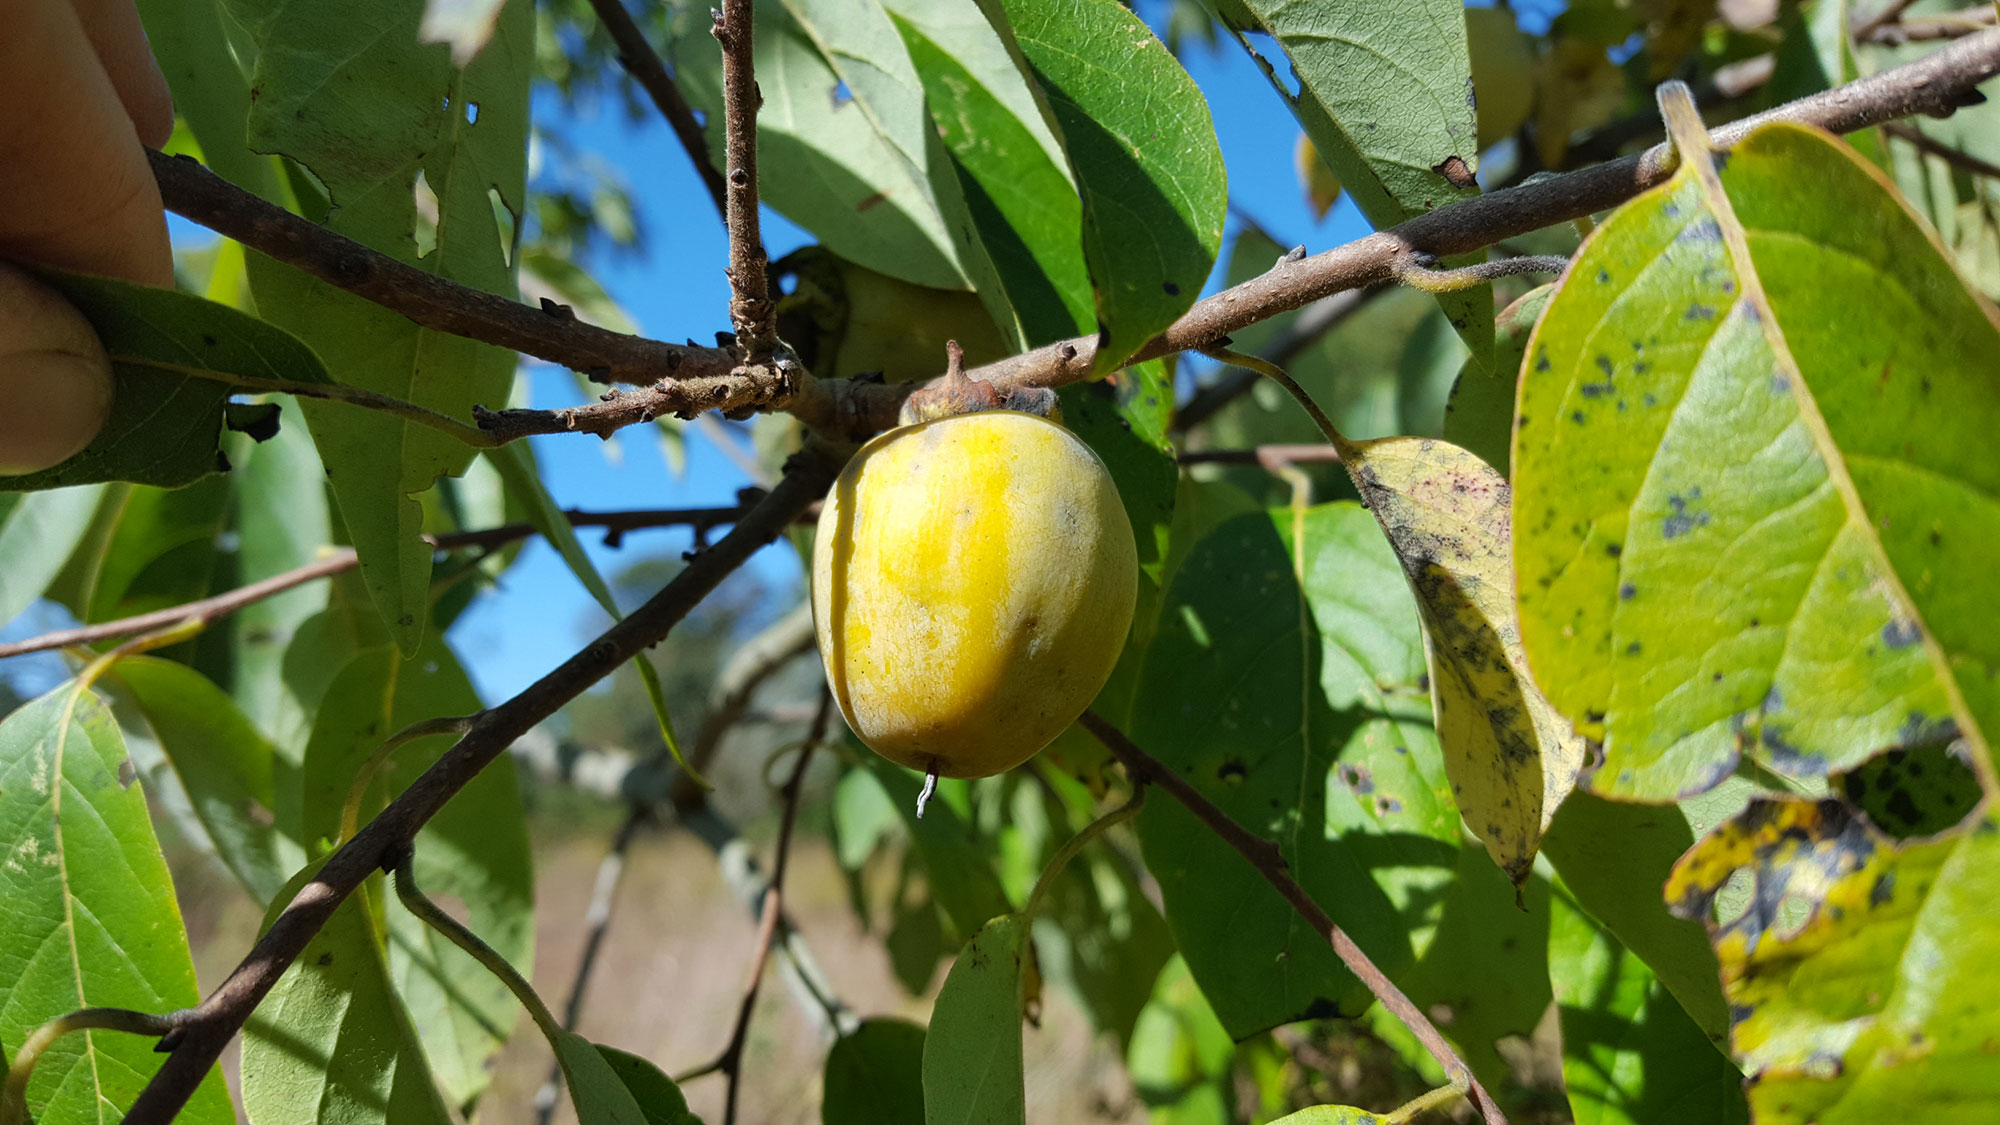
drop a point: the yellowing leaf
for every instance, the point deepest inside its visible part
(1730, 539)
(1511, 758)
(1322, 186)
(1860, 972)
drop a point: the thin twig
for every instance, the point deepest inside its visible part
(209, 1027)
(459, 934)
(730, 1062)
(1957, 158)
(1313, 322)
(1264, 455)
(1890, 12)
(342, 559)
(551, 332)
(1270, 862)
(1963, 22)
(21, 1070)
(750, 308)
(650, 72)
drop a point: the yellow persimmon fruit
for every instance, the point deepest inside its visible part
(972, 584)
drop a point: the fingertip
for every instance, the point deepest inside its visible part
(55, 377)
(56, 402)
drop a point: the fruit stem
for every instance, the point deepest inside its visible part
(930, 787)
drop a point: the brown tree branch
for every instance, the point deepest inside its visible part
(208, 1028)
(1270, 863)
(650, 72)
(751, 310)
(342, 559)
(551, 332)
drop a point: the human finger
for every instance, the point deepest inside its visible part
(75, 189)
(55, 379)
(120, 41)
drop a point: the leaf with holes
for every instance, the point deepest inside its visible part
(1142, 149)
(173, 358)
(381, 119)
(1285, 685)
(1726, 541)
(972, 1052)
(90, 918)
(1876, 1002)
(1511, 758)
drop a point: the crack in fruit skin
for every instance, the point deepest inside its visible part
(973, 581)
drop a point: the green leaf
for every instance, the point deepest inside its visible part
(1485, 974)
(90, 918)
(1613, 859)
(1727, 542)
(37, 533)
(1480, 415)
(1296, 708)
(1180, 1058)
(222, 762)
(1878, 1004)
(282, 521)
(961, 876)
(1143, 152)
(825, 161)
(173, 357)
(659, 1099)
(1014, 174)
(972, 1052)
(331, 1044)
(862, 44)
(875, 1076)
(211, 88)
(1511, 758)
(1631, 1055)
(595, 1088)
(160, 550)
(1397, 155)
(475, 850)
(347, 90)
(1105, 939)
